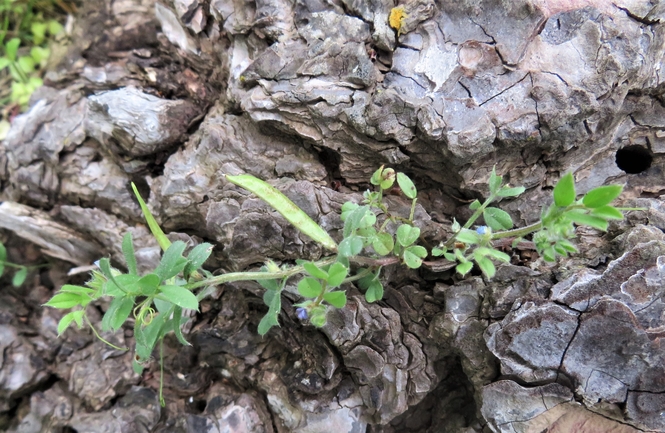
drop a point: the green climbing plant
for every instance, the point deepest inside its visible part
(373, 236)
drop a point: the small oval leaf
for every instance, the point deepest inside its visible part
(464, 268)
(179, 296)
(383, 244)
(19, 277)
(65, 300)
(407, 186)
(564, 191)
(497, 219)
(351, 246)
(607, 212)
(587, 220)
(314, 271)
(601, 196)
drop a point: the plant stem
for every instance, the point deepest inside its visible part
(161, 372)
(248, 276)
(12, 265)
(358, 276)
(413, 209)
(449, 243)
(124, 349)
(319, 298)
(251, 276)
(518, 233)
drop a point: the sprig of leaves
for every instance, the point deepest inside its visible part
(373, 237)
(551, 235)
(157, 300)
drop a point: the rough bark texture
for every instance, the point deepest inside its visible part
(313, 96)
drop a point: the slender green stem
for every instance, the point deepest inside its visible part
(413, 209)
(12, 265)
(319, 298)
(360, 275)
(518, 233)
(384, 225)
(124, 349)
(248, 276)
(449, 243)
(368, 261)
(479, 212)
(161, 372)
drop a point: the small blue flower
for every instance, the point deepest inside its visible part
(482, 230)
(301, 313)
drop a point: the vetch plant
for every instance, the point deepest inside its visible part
(374, 236)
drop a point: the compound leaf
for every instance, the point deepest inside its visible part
(374, 291)
(336, 274)
(337, 299)
(309, 287)
(406, 234)
(68, 319)
(197, 257)
(273, 300)
(464, 268)
(413, 256)
(118, 312)
(172, 261)
(486, 266)
(146, 336)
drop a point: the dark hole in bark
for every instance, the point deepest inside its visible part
(331, 160)
(142, 186)
(69, 430)
(634, 159)
(196, 406)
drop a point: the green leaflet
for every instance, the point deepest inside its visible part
(564, 191)
(284, 206)
(157, 232)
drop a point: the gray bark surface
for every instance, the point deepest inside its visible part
(313, 97)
